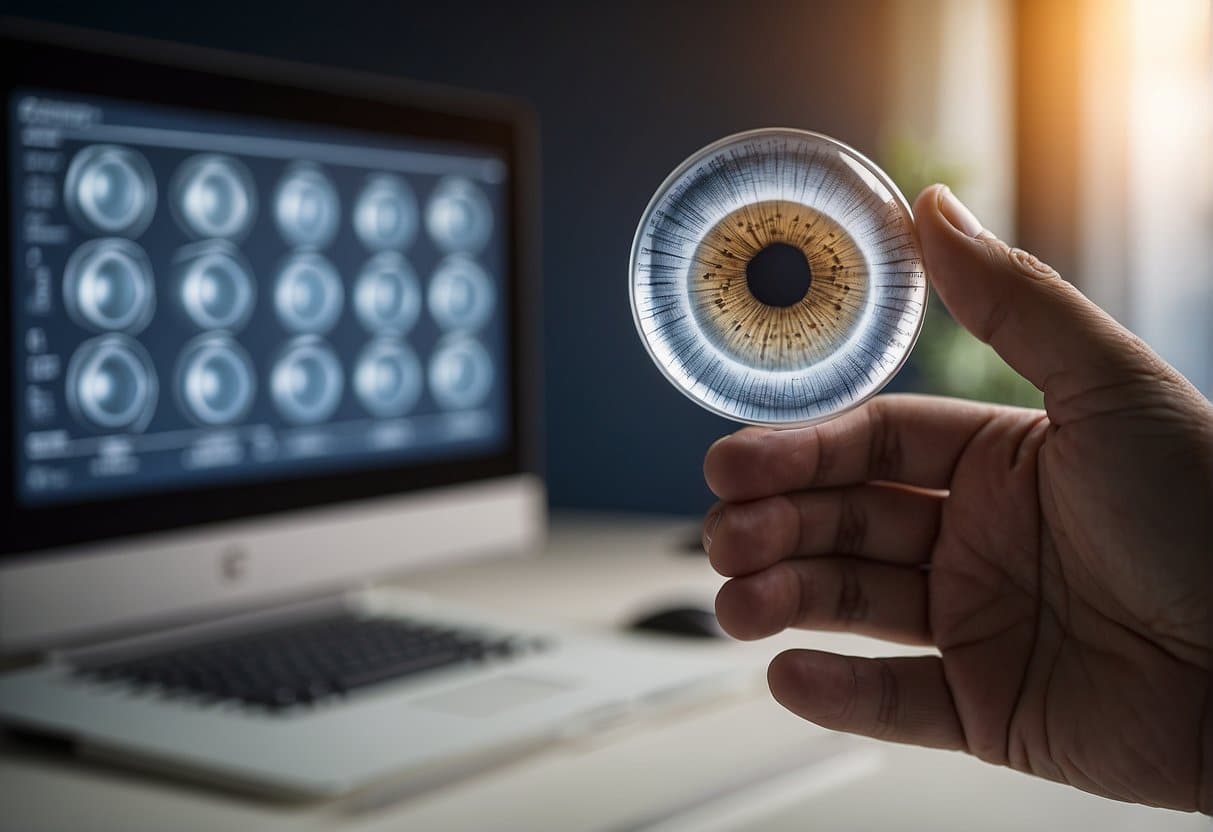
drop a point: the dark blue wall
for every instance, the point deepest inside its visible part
(623, 93)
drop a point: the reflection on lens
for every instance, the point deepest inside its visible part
(108, 285)
(776, 278)
(111, 189)
(386, 296)
(111, 383)
(460, 294)
(217, 288)
(306, 207)
(306, 382)
(215, 380)
(308, 295)
(385, 215)
(458, 216)
(461, 373)
(387, 378)
(214, 196)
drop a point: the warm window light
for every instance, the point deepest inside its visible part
(1170, 166)
(1146, 173)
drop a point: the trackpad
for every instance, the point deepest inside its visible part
(492, 696)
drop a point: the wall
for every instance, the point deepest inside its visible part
(623, 92)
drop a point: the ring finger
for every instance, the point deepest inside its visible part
(881, 522)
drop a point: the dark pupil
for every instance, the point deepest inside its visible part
(779, 275)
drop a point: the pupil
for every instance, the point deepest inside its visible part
(779, 275)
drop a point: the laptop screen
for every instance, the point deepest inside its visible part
(210, 300)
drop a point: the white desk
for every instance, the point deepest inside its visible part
(598, 572)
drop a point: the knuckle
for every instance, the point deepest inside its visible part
(752, 531)
(845, 717)
(885, 452)
(732, 534)
(813, 456)
(852, 530)
(851, 604)
(1030, 265)
(785, 520)
(801, 590)
(888, 701)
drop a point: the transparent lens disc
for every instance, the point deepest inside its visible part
(776, 278)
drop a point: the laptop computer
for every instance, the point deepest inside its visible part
(268, 338)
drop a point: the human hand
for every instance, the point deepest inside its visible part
(1061, 561)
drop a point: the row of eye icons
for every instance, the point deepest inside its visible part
(109, 286)
(112, 190)
(112, 383)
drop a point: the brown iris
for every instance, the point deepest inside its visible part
(777, 285)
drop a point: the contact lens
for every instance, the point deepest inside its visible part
(776, 278)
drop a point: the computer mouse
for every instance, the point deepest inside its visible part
(691, 622)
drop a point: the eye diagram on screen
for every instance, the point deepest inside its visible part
(776, 279)
(203, 298)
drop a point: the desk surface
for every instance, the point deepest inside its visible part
(599, 572)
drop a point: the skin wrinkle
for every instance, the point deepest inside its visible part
(822, 459)
(1125, 630)
(1037, 597)
(1030, 265)
(970, 642)
(890, 700)
(805, 590)
(852, 603)
(1078, 779)
(1120, 389)
(1083, 655)
(1050, 677)
(964, 449)
(1165, 643)
(1023, 451)
(800, 509)
(798, 512)
(851, 529)
(884, 446)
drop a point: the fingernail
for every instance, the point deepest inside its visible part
(955, 212)
(709, 528)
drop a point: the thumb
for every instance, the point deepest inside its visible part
(1040, 324)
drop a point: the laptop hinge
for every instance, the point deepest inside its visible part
(175, 636)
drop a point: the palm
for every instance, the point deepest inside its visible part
(1040, 612)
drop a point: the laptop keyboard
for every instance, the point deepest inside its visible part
(311, 661)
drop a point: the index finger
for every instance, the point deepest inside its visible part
(912, 440)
